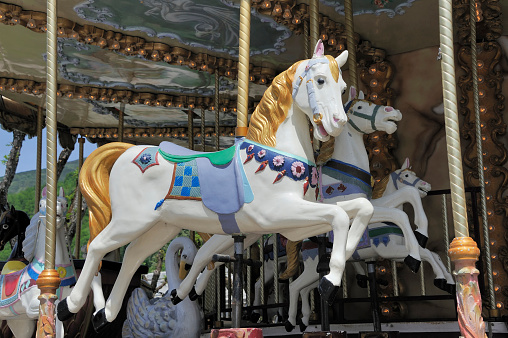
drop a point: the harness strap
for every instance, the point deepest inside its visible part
(350, 170)
(371, 118)
(397, 178)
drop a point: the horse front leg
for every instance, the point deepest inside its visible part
(360, 210)
(137, 251)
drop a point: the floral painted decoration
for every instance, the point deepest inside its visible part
(286, 166)
(380, 3)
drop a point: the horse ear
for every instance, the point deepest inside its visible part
(352, 93)
(62, 194)
(12, 208)
(342, 58)
(44, 192)
(361, 96)
(319, 50)
(406, 164)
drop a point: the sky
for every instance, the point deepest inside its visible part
(28, 156)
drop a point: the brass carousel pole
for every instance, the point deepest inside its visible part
(77, 245)
(351, 48)
(49, 279)
(38, 167)
(463, 251)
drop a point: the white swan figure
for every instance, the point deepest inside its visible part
(158, 317)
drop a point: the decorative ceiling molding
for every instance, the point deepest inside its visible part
(108, 95)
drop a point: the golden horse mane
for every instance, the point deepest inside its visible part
(94, 184)
(380, 187)
(273, 108)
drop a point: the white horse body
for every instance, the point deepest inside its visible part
(279, 207)
(21, 315)
(393, 247)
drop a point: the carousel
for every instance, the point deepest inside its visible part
(310, 168)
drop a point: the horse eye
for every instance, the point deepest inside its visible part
(343, 91)
(359, 107)
(321, 81)
(5, 226)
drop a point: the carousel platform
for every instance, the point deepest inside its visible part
(443, 329)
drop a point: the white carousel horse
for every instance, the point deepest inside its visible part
(346, 177)
(19, 303)
(132, 195)
(379, 240)
(158, 317)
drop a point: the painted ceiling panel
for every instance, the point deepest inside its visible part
(377, 7)
(88, 64)
(22, 59)
(211, 24)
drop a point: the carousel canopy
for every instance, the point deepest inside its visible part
(157, 60)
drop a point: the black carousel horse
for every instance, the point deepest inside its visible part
(13, 223)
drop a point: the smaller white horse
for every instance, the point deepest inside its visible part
(19, 303)
(379, 240)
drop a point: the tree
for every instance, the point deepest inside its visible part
(10, 166)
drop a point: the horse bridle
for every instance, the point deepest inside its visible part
(371, 118)
(397, 177)
(316, 115)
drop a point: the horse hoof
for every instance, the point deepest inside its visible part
(302, 326)
(412, 263)
(174, 297)
(451, 289)
(421, 239)
(362, 281)
(327, 290)
(288, 326)
(62, 311)
(254, 317)
(99, 321)
(193, 295)
(440, 283)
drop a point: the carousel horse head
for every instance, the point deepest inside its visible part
(61, 207)
(400, 178)
(308, 86)
(12, 223)
(367, 117)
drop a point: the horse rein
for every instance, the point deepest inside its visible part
(397, 177)
(371, 118)
(316, 115)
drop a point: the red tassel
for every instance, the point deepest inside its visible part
(306, 186)
(249, 157)
(280, 176)
(262, 166)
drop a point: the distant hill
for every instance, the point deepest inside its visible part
(26, 179)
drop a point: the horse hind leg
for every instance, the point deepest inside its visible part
(137, 251)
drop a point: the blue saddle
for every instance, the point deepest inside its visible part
(223, 185)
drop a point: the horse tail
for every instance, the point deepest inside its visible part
(94, 184)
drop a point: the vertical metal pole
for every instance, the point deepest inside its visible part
(203, 138)
(314, 24)
(444, 210)
(120, 122)
(249, 278)
(325, 317)
(38, 167)
(238, 282)
(371, 268)
(395, 279)
(190, 128)
(243, 69)
(351, 47)
(216, 104)
(422, 281)
(463, 251)
(49, 279)
(306, 42)
(276, 268)
(479, 155)
(77, 245)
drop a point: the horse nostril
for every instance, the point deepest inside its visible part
(388, 109)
